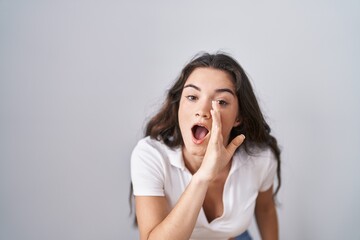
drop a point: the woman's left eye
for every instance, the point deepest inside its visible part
(222, 102)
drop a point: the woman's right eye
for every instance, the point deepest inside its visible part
(191, 98)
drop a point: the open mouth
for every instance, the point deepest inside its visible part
(199, 132)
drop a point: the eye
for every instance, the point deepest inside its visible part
(222, 103)
(191, 98)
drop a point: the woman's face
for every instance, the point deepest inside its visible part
(203, 86)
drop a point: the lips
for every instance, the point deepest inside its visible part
(199, 133)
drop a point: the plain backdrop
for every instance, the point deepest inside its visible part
(79, 79)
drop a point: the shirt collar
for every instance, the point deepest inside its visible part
(176, 158)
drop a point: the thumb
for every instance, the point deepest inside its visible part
(235, 143)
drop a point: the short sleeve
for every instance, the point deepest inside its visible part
(270, 172)
(147, 174)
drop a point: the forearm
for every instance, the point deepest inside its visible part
(180, 222)
(267, 223)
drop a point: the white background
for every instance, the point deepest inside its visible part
(79, 79)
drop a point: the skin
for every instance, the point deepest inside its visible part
(206, 90)
(208, 99)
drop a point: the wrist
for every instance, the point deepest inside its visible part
(202, 178)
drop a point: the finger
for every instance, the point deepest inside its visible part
(216, 122)
(214, 136)
(217, 114)
(235, 143)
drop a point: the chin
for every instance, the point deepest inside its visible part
(198, 153)
(196, 149)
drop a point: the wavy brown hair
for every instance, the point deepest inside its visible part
(164, 126)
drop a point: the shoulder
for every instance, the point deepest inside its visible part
(260, 164)
(149, 145)
(262, 157)
(151, 150)
(255, 152)
(148, 167)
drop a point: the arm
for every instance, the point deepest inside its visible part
(156, 220)
(266, 217)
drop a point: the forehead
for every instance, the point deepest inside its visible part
(205, 77)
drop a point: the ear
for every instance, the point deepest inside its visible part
(237, 122)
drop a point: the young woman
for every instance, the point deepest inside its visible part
(195, 175)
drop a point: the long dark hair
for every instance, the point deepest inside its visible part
(164, 126)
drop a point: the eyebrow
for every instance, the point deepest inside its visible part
(220, 90)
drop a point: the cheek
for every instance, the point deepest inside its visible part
(183, 116)
(228, 121)
(181, 112)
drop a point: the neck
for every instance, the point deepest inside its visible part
(192, 162)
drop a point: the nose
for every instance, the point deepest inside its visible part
(204, 110)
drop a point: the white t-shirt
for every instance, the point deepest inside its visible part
(157, 170)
